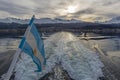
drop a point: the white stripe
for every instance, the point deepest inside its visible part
(32, 42)
(27, 31)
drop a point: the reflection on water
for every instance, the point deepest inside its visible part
(105, 44)
(9, 44)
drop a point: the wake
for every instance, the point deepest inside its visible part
(65, 49)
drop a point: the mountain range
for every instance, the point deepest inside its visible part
(39, 21)
(115, 20)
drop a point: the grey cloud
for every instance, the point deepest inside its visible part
(85, 11)
(110, 2)
(12, 8)
(52, 8)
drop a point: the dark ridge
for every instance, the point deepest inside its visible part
(15, 29)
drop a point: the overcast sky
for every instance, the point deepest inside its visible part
(88, 10)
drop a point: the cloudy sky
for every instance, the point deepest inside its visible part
(88, 10)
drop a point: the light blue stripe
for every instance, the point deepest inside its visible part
(39, 42)
(31, 21)
(28, 50)
(22, 42)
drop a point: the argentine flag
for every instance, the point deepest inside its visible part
(33, 45)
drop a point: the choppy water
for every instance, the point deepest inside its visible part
(8, 44)
(105, 44)
(65, 49)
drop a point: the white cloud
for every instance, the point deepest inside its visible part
(57, 8)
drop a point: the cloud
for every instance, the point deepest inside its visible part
(86, 9)
(13, 9)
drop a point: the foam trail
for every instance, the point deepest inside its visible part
(63, 47)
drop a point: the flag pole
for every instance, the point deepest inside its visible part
(10, 70)
(15, 57)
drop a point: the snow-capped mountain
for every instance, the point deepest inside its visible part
(39, 21)
(15, 20)
(115, 20)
